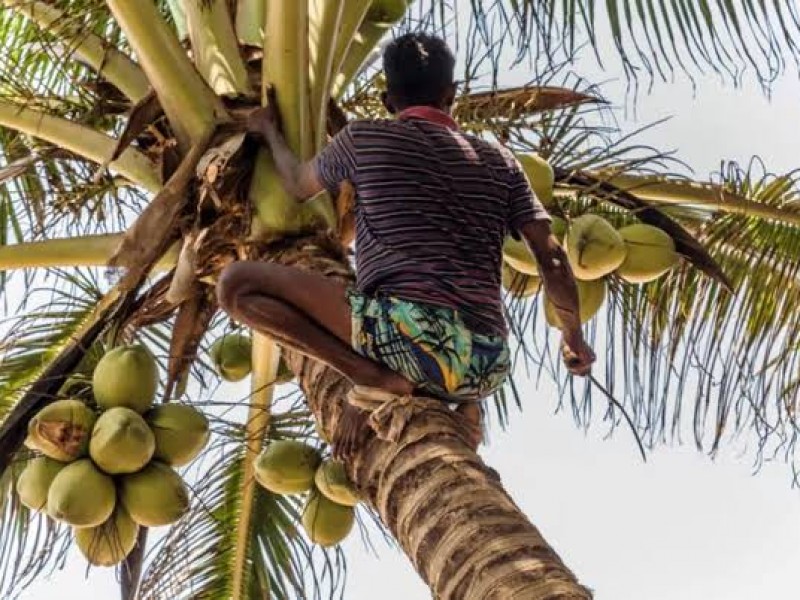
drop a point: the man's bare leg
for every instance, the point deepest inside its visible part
(310, 314)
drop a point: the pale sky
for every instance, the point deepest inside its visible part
(680, 527)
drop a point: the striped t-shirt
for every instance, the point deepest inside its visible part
(433, 206)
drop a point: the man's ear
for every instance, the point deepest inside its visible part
(450, 95)
(387, 103)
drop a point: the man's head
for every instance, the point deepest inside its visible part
(419, 72)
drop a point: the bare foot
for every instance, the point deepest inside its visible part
(473, 415)
(351, 434)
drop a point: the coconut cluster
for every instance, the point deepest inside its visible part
(294, 467)
(106, 457)
(635, 254)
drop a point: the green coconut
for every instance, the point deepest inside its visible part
(325, 522)
(518, 284)
(79, 387)
(35, 480)
(591, 295)
(559, 228)
(108, 544)
(332, 482)
(287, 467)
(181, 432)
(121, 441)
(517, 255)
(650, 253)
(61, 430)
(126, 376)
(81, 495)
(594, 247)
(540, 176)
(154, 496)
(232, 356)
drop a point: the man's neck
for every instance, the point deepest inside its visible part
(428, 113)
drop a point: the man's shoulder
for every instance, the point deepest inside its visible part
(493, 151)
(366, 125)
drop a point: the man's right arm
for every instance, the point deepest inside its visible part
(529, 219)
(561, 290)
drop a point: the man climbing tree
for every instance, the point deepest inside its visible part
(432, 208)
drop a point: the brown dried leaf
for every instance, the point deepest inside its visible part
(183, 281)
(516, 102)
(194, 317)
(143, 114)
(158, 225)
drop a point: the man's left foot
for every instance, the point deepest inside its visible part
(352, 433)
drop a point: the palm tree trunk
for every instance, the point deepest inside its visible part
(448, 510)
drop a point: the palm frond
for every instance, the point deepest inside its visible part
(36, 63)
(195, 559)
(85, 46)
(654, 40)
(33, 544)
(35, 337)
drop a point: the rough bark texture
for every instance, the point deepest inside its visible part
(448, 510)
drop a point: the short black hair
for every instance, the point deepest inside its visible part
(419, 69)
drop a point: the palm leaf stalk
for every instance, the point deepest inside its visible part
(83, 141)
(250, 20)
(192, 107)
(217, 50)
(379, 19)
(85, 251)
(663, 191)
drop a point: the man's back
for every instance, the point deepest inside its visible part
(433, 206)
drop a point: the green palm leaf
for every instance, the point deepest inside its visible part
(657, 38)
(32, 543)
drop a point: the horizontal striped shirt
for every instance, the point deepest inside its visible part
(433, 206)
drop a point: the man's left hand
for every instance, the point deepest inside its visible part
(267, 119)
(578, 355)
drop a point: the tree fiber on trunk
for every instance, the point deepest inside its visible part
(448, 510)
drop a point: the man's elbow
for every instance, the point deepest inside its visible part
(304, 184)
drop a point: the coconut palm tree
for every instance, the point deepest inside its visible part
(122, 130)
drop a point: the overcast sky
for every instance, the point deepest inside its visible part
(680, 527)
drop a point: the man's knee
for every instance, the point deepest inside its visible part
(233, 283)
